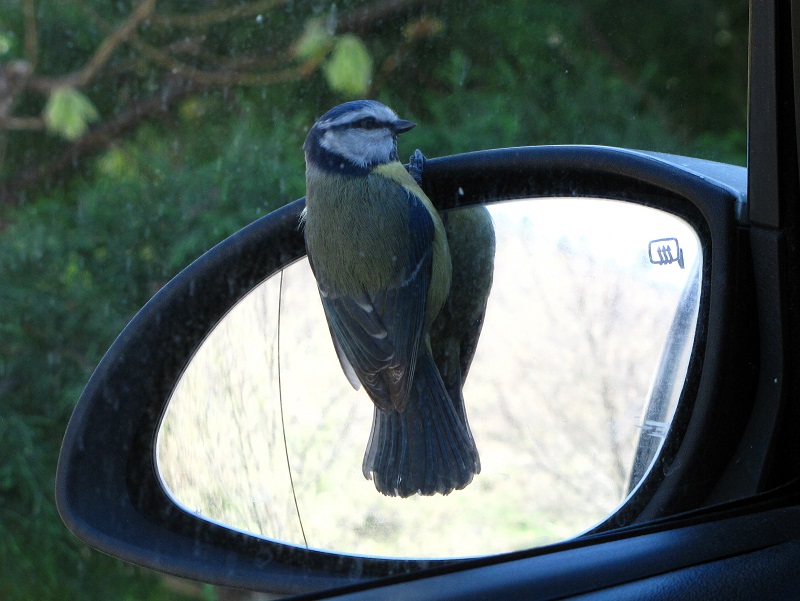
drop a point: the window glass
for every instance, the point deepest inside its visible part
(135, 135)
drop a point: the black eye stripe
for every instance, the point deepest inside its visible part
(365, 123)
(368, 123)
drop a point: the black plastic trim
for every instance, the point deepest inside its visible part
(762, 128)
(108, 491)
(608, 567)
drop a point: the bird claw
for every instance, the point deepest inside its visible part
(416, 165)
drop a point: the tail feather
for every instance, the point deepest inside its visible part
(427, 448)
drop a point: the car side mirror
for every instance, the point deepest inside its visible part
(219, 438)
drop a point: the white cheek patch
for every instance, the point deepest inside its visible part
(360, 146)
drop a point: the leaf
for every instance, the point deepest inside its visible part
(315, 42)
(68, 113)
(349, 70)
(6, 43)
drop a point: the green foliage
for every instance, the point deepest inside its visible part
(6, 43)
(349, 69)
(560, 87)
(689, 56)
(68, 113)
(81, 252)
(75, 268)
(315, 42)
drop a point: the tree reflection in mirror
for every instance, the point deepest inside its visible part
(577, 372)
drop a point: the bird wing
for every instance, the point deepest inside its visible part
(378, 333)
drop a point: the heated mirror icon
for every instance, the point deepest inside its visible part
(666, 251)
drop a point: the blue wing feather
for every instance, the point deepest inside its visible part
(379, 332)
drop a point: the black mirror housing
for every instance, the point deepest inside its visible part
(108, 489)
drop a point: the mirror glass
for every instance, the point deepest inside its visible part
(579, 365)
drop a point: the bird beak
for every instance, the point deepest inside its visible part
(401, 126)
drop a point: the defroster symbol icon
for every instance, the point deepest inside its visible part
(665, 251)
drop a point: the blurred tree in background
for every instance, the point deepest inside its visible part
(135, 135)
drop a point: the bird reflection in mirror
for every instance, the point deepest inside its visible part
(379, 252)
(457, 328)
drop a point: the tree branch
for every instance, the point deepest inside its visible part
(255, 62)
(226, 77)
(218, 78)
(22, 123)
(363, 19)
(45, 85)
(31, 34)
(106, 49)
(214, 17)
(184, 79)
(157, 106)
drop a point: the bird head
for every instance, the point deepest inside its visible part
(354, 137)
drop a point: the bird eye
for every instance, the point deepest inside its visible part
(368, 123)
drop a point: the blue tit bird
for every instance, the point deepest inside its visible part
(379, 253)
(456, 330)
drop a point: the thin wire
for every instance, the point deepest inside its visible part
(283, 424)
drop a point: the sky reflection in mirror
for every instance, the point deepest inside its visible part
(265, 435)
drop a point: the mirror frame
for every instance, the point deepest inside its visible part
(107, 487)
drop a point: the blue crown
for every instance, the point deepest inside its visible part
(347, 107)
